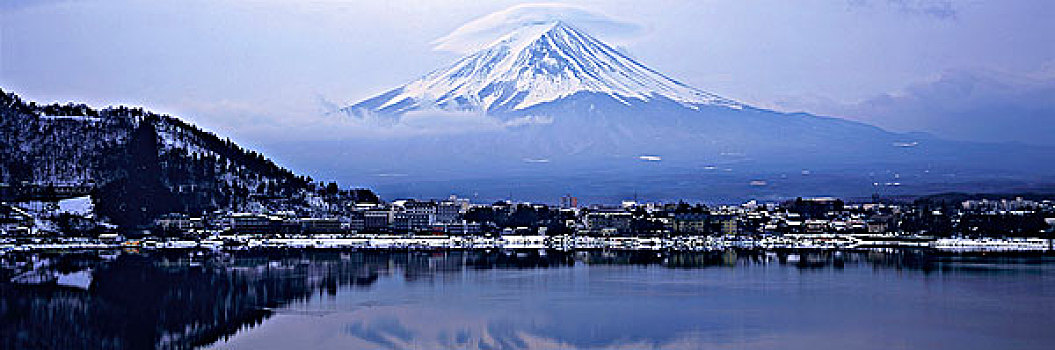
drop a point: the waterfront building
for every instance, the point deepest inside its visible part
(412, 221)
(320, 225)
(462, 228)
(448, 211)
(693, 223)
(376, 219)
(617, 220)
(356, 221)
(244, 223)
(178, 222)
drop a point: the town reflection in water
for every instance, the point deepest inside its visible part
(519, 299)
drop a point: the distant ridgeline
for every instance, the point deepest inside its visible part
(136, 164)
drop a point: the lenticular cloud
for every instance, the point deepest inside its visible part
(482, 31)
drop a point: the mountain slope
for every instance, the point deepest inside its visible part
(593, 98)
(534, 65)
(136, 164)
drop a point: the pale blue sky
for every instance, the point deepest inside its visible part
(257, 70)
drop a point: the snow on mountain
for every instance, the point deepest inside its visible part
(535, 64)
(576, 115)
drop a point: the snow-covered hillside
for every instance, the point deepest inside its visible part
(536, 64)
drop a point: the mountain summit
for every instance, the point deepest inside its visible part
(565, 112)
(536, 64)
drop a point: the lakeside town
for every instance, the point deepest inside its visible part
(355, 219)
(121, 177)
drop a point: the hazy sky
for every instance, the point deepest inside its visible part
(264, 70)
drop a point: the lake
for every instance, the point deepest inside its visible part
(900, 299)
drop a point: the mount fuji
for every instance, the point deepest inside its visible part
(538, 64)
(567, 104)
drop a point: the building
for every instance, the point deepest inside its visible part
(877, 227)
(409, 222)
(462, 228)
(730, 226)
(250, 223)
(608, 221)
(448, 212)
(356, 221)
(817, 226)
(320, 225)
(178, 222)
(568, 202)
(1000, 205)
(815, 208)
(691, 223)
(377, 219)
(14, 220)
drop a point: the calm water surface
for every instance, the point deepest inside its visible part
(535, 299)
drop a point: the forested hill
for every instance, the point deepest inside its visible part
(136, 164)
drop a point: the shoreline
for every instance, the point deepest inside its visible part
(565, 243)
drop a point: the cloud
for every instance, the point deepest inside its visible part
(482, 31)
(430, 122)
(306, 122)
(941, 9)
(976, 105)
(446, 122)
(528, 120)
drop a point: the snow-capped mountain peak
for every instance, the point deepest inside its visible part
(534, 64)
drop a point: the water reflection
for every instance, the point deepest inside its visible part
(519, 299)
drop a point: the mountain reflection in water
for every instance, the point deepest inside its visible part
(523, 299)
